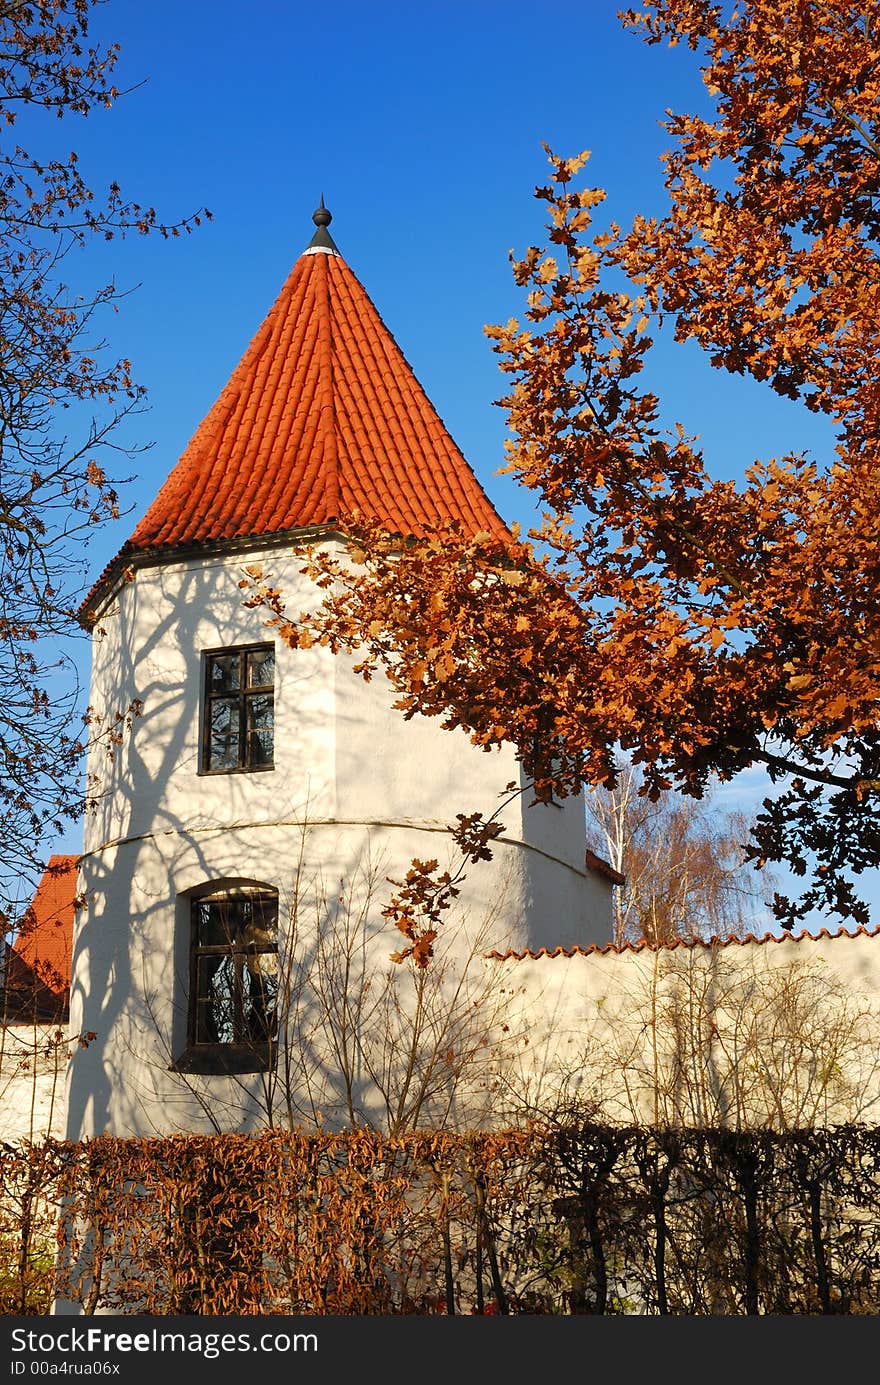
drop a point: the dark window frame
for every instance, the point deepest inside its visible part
(243, 695)
(242, 1053)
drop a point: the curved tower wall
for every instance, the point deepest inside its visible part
(356, 793)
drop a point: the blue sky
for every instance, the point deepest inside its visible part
(421, 125)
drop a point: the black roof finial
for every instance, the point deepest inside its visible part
(322, 239)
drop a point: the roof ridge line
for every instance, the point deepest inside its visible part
(327, 383)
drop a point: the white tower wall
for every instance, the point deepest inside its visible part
(356, 792)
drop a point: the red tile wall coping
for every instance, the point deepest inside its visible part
(642, 946)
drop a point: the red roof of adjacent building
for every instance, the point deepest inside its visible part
(38, 964)
(322, 421)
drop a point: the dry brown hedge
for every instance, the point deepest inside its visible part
(571, 1218)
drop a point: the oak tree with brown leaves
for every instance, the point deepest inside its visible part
(62, 399)
(700, 626)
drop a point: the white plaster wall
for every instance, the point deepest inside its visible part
(33, 1072)
(780, 1033)
(357, 792)
(342, 754)
(764, 1033)
(147, 647)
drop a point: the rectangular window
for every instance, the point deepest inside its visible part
(239, 710)
(233, 981)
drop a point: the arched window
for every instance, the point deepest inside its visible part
(233, 988)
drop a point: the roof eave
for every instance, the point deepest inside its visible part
(129, 560)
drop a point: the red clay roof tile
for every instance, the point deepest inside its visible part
(603, 867)
(321, 422)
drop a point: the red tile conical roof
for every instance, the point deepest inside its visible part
(321, 422)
